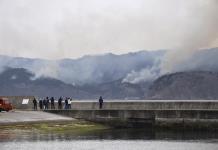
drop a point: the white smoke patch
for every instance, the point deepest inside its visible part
(148, 74)
(141, 76)
(199, 31)
(194, 27)
(45, 69)
(13, 77)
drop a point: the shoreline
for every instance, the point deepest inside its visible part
(73, 127)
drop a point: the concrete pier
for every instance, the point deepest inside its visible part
(147, 105)
(194, 114)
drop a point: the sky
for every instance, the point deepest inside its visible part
(55, 29)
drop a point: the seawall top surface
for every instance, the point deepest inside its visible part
(30, 116)
(148, 101)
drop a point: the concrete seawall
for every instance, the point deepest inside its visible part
(192, 114)
(148, 105)
(124, 104)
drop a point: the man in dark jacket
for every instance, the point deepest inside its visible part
(35, 104)
(47, 103)
(52, 103)
(40, 104)
(100, 102)
(66, 103)
(60, 103)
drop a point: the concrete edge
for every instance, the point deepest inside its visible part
(36, 122)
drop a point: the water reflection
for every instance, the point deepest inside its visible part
(110, 144)
(112, 134)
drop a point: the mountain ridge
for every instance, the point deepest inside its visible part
(185, 85)
(106, 75)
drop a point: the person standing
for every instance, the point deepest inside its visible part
(60, 103)
(52, 103)
(35, 104)
(69, 103)
(47, 103)
(100, 102)
(44, 104)
(40, 103)
(66, 103)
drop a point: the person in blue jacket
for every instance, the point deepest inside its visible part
(100, 102)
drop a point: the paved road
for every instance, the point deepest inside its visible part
(29, 116)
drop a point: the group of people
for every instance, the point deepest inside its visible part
(67, 103)
(49, 103)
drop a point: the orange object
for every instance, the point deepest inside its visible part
(5, 105)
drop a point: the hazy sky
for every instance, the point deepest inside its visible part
(72, 28)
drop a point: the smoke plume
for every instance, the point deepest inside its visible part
(199, 31)
(141, 76)
(46, 68)
(195, 28)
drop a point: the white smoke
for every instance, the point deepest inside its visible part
(141, 76)
(196, 28)
(199, 31)
(45, 68)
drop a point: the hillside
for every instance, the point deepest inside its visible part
(185, 85)
(181, 85)
(134, 67)
(19, 81)
(126, 76)
(88, 69)
(118, 90)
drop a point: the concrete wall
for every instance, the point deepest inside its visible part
(118, 118)
(142, 113)
(126, 105)
(147, 105)
(143, 118)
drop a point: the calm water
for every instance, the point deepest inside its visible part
(118, 139)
